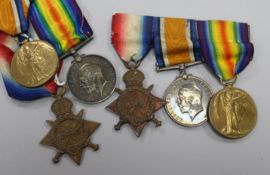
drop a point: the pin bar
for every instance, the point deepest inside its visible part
(179, 66)
(76, 48)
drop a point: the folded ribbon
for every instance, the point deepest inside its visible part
(7, 47)
(222, 45)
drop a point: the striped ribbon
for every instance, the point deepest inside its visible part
(132, 36)
(15, 90)
(225, 46)
(13, 16)
(175, 41)
(61, 23)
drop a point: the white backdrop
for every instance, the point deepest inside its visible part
(170, 149)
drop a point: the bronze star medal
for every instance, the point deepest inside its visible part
(136, 105)
(69, 133)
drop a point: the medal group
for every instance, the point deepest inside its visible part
(36, 36)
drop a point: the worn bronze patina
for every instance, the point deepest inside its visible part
(69, 133)
(136, 105)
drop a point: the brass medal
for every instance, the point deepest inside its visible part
(232, 112)
(136, 105)
(69, 133)
(34, 63)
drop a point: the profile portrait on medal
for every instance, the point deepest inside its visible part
(92, 79)
(189, 100)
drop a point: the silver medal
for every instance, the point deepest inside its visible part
(91, 78)
(187, 99)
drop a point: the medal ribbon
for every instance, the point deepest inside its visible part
(7, 47)
(14, 21)
(132, 36)
(175, 41)
(13, 16)
(225, 47)
(61, 23)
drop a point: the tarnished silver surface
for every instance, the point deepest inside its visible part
(187, 100)
(92, 79)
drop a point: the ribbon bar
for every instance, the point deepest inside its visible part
(222, 45)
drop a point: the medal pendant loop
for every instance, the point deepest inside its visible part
(77, 57)
(182, 71)
(132, 64)
(58, 82)
(231, 82)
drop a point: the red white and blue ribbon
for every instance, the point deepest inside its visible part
(7, 47)
(132, 36)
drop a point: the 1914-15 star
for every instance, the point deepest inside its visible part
(69, 133)
(136, 105)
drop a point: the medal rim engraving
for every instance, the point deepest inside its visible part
(170, 112)
(51, 55)
(211, 113)
(72, 90)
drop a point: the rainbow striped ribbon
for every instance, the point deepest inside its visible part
(60, 22)
(175, 41)
(132, 36)
(225, 46)
(15, 90)
(13, 16)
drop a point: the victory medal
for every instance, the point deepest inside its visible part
(35, 62)
(227, 50)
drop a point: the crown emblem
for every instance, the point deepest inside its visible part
(133, 77)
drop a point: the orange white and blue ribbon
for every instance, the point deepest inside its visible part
(61, 23)
(132, 36)
(175, 41)
(225, 46)
(7, 47)
(13, 16)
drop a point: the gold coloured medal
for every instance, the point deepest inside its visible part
(232, 112)
(34, 63)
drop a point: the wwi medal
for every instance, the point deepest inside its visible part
(91, 78)
(188, 96)
(34, 63)
(187, 100)
(70, 132)
(136, 105)
(232, 112)
(132, 40)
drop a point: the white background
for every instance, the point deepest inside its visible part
(170, 149)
